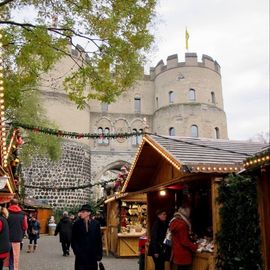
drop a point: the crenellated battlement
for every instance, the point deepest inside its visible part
(191, 60)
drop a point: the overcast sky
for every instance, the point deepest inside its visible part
(235, 33)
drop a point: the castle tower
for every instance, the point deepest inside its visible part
(182, 99)
(188, 98)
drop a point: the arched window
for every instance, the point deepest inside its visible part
(194, 131)
(140, 136)
(137, 104)
(171, 97)
(134, 137)
(213, 98)
(103, 132)
(192, 94)
(172, 131)
(217, 135)
(100, 138)
(106, 139)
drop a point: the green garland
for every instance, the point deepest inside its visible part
(71, 188)
(75, 135)
(238, 240)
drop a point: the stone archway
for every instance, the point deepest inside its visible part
(110, 171)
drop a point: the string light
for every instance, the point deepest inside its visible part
(259, 159)
(2, 108)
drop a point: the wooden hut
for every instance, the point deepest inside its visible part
(41, 210)
(126, 222)
(259, 166)
(187, 171)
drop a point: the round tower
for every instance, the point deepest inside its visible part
(188, 98)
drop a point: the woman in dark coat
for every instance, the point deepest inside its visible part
(64, 228)
(33, 234)
(158, 234)
(86, 241)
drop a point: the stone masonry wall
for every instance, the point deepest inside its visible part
(71, 170)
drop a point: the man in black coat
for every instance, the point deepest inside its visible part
(64, 228)
(86, 240)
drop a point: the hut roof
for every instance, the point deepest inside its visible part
(190, 150)
(190, 155)
(258, 159)
(35, 203)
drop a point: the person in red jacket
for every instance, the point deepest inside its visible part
(182, 247)
(4, 236)
(17, 222)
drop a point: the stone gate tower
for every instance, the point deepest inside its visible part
(177, 99)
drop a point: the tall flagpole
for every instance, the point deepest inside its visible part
(187, 38)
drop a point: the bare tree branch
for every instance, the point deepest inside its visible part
(5, 2)
(56, 30)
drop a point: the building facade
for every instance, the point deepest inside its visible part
(178, 99)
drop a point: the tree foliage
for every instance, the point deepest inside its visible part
(114, 33)
(239, 236)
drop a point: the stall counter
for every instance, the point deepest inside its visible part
(127, 245)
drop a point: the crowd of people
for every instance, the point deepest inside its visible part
(82, 233)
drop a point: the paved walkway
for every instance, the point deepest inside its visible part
(49, 257)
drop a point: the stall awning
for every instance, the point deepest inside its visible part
(188, 155)
(5, 197)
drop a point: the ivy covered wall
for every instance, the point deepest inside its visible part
(238, 241)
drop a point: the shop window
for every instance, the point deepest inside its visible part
(213, 98)
(172, 131)
(192, 94)
(171, 97)
(194, 131)
(217, 135)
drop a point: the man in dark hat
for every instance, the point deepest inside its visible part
(86, 240)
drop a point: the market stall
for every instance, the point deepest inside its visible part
(126, 222)
(186, 172)
(259, 166)
(41, 210)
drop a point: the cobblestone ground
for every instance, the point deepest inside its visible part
(49, 257)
